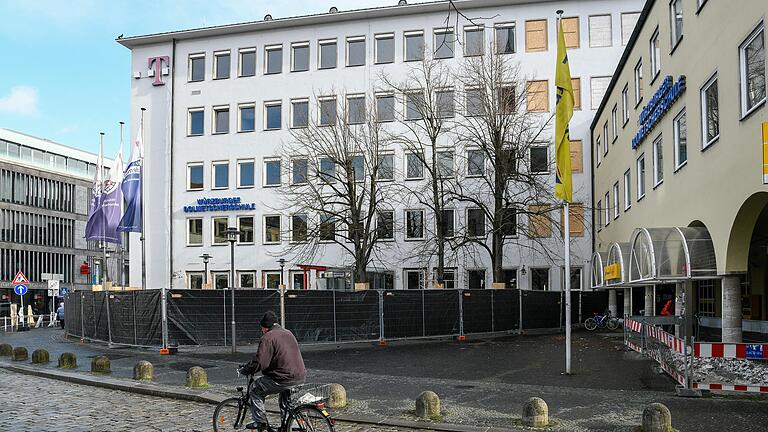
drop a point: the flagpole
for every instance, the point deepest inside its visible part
(122, 236)
(143, 201)
(104, 270)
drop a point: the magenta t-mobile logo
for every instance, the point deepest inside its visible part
(156, 69)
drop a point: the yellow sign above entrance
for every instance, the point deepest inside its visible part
(612, 271)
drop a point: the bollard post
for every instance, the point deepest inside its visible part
(461, 315)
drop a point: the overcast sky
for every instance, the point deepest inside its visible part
(66, 79)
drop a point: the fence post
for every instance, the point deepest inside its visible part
(461, 314)
(224, 321)
(93, 303)
(135, 332)
(520, 307)
(82, 318)
(493, 317)
(334, 316)
(423, 314)
(109, 319)
(381, 317)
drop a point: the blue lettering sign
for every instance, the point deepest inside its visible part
(660, 103)
(219, 204)
(755, 351)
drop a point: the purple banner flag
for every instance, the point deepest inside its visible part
(131, 188)
(94, 228)
(112, 201)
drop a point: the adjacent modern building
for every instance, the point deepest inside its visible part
(679, 155)
(45, 190)
(222, 102)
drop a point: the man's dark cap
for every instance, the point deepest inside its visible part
(268, 320)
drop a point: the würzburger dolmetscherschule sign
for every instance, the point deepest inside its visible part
(219, 204)
(660, 103)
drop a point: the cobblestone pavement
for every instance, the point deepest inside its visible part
(40, 404)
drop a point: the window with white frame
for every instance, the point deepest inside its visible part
(272, 172)
(710, 112)
(358, 168)
(327, 170)
(247, 279)
(598, 150)
(627, 190)
(356, 109)
(386, 167)
(218, 232)
(329, 54)
(196, 121)
(628, 21)
(605, 134)
(474, 105)
(414, 168)
(385, 225)
(505, 38)
(356, 51)
(676, 21)
(273, 115)
(681, 139)
(246, 117)
(614, 123)
(271, 229)
(271, 279)
(384, 48)
(599, 215)
(273, 63)
(327, 227)
(598, 87)
(540, 279)
(195, 232)
(616, 200)
(599, 31)
(385, 107)
(245, 225)
(247, 65)
(607, 208)
(752, 70)
(414, 279)
(414, 45)
(221, 64)
(539, 159)
(448, 226)
(475, 222)
(196, 67)
(299, 56)
(444, 161)
(638, 82)
(246, 173)
(444, 40)
(414, 224)
(195, 280)
(221, 119)
(414, 102)
(445, 103)
(327, 107)
(641, 177)
(625, 105)
(299, 171)
(474, 40)
(220, 175)
(195, 176)
(658, 162)
(475, 163)
(299, 113)
(299, 227)
(655, 54)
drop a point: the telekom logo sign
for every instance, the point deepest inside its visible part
(156, 69)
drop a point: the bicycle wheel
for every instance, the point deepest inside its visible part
(590, 324)
(308, 418)
(613, 324)
(230, 415)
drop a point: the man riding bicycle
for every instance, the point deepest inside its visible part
(281, 364)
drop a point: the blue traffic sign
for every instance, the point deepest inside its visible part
(20, 289)
(63, 291)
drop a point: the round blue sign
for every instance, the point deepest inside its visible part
(20, 289)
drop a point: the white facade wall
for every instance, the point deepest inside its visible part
(166, 163)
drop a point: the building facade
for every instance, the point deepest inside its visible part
(222, 102)
(45, 191)
(680, 188)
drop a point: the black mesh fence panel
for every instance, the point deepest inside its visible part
(541, 309)
(594, 302)
(72, 318)
(506, 309)
(122, 318)
(309, 315)
(250, 306)
(441, 312)
(198, 317)
(89, 315)
(149, 320)
(101, 331)
(403, 314)
(357, 315)
(476, 308)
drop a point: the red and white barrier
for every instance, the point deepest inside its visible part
(731, 387)
(668, 339)
(635, 326)
(731, 351)
(677, 376)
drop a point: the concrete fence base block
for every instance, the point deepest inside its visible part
(428, 405)
(535, 413)
(40, 356)
(657, 418)
(197, 377)
(20, 354)
(337, 396)
(6, 350)
(100, 364)
(67, 360)
(143, 371)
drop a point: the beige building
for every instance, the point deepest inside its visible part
(680, 191)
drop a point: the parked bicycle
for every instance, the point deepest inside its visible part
(302, 409)
(604, 320)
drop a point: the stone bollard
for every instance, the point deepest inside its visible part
(337, 397)
(428, 405)
(40, 356)
(535, 413)
(67, 360)
(657, 418)
(143, 371)
(100, 365)
(20, 354)
(196, 377)
(6, 350)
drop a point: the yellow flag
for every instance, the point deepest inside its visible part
(563, 114)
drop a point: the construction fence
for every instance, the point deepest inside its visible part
(203, 317)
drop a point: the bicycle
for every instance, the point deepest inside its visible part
(302, 409)
(606, 320)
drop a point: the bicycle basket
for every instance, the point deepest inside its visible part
(310, 393)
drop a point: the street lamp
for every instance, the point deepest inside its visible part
(206, 257)
(232, 234)
(281, 261)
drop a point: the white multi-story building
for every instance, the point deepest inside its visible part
(221, 102)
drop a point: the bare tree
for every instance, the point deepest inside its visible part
(339, 187)
(504, 144)
(426, 140)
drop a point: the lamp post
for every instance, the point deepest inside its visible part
(281, 261)
(206, 257)
(232, 234)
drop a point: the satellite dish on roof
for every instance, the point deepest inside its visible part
(333, 9)
(267, 17)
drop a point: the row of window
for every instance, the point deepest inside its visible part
(412, 279)
(34, 263)
(46, 160)
(444, 40)
(33, 191)
(36, 229)
(301, 173)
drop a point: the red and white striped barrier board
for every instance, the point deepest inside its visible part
(733, 351)
(635, 326)
(677, 376)
(634, 347)
(667, 339)
(732, 387)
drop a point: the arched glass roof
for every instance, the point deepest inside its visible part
(597, 270)
(616, 265)
(668, 254)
